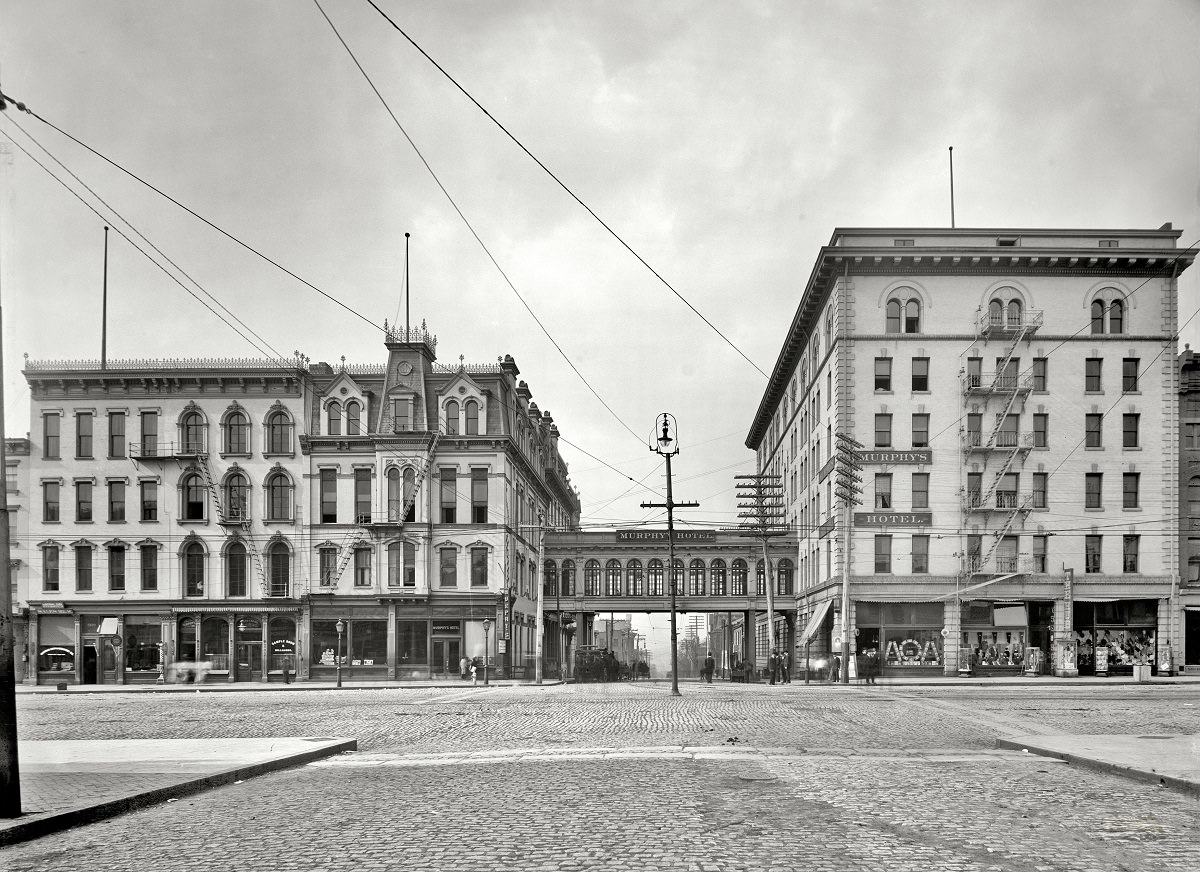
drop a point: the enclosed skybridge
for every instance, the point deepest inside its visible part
(627, 571)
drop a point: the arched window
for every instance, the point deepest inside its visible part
(634, 578)
(237, 434)
(334, 410)
(1116, 317)
(471, 412)
(193, 494)
(717, 571)
(591, 578)
(696, 578)
(235, 570)
(784, 578)
(1098, 317)
(995, 313)
(279, 561)
(395, 502)
(353, 419)
(612, 578)
(568, 578)
(654, 578)
(1014, 313)
(677, 577)
(279, 433)
(237, 498)
(760, 579)
(410, 494)
(193, 569)
(279, 497)
(912, 317)
(191, 433)
(893, 316)
(549, 574)
(737, 578)
(452, 418)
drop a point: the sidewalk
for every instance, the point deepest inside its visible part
(68, 783)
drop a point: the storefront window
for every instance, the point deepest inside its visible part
(142, 635)
(994, 634)
(325, 642)
(214, 643)
(368, 643)
(1115, 635)
(187, 640)
(56, 643)
(904, 634)
(412, 643)
(283, 644)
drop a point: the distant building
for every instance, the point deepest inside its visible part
(16, 480)
(1189, 508)
(1014, 393)
(264, 518)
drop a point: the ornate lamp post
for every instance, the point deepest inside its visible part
(340, 627)
(487, 625)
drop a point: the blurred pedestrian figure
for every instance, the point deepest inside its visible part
(709, 665)
(474, 675)
(463, 666)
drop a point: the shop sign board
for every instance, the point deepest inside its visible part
(661, 535)
(1101, 655)
(920, 455)
(447, 627)
(893, 519)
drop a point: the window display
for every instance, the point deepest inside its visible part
(905, 635)
(994, 634)
(412, 643)
(56, 643)
(142, 638)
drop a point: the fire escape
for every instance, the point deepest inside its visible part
(995, 400)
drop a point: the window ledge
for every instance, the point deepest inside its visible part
(190, 522)
(278, 522)
(1131, 448)
(270, 454)
(244, 454)
(1093, 508)
(1131, 508)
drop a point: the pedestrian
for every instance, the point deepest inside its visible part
(835, 668)
(474, 675)
(709, 665)
(785, 674)
(872, 665)
(287, 672)
(463, 665)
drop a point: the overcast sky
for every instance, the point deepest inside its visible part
(722, 142)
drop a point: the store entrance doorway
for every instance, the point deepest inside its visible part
(249, 661)
(445, 657)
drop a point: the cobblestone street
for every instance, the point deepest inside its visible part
(728, 777)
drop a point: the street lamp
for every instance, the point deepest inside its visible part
(487, 625)
(340, 627)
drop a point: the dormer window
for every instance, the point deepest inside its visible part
(353, 418)
(335, 418)
(452, 418)
(471, 412)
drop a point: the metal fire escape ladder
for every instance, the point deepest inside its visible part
(1022, 508)
(422, 473)
(347, 547)
(239, 522)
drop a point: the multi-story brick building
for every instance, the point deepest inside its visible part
(16, 481)
(1189, 507)
(265, 518)
(1015, 395)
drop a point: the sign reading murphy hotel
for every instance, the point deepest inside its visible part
(661, 535)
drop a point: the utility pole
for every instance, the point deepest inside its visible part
(848, 488)
(668, 446)
(761, 499)
(541, 597)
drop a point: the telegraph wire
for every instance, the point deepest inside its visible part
(569, 192)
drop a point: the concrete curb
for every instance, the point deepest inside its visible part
(54, 822)
(1133, 772)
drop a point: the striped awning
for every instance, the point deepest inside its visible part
(814, 623)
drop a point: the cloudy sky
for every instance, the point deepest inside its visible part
(722, 142)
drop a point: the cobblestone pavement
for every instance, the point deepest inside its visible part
(626, 777)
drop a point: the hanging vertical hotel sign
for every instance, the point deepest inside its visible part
(893, 519)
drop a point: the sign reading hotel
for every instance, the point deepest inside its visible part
(919, 455)
(893, 519)
(661, 535)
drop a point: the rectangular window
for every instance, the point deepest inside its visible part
(1006, 490)
(83, 568)
(883, 554)
(149, 555)
(116, 434)
(1093, 430)
(448, 567)
(50, 569)
(50, 434)
(1130, 481)
(1091, 553)
(974, 372)
(1039, 374)
(920, 430)
(362, 567)
(1039, 489)
(410, 564)
(1039, 553)
(920, 554)
(1041, 429)
(149, 499)
(83, 434)
(394, 566)
(1091, 490)
(1091, 377)
(479, 496)
(1129, 374)
(362, 496)
(883, 373)
(1191, 436)
(236, 569)
(116, 568)
(1129, 553)
(328, 567)
(83, 501)
(883, 490)
(479, 567)
(400, 421)
(920, 374)
(883, 431)
(328, 496)
(1129, 430)
(149, 434)
(974, 429)
(449, 477)
(920, 490)
(50, 498)
(116, 501)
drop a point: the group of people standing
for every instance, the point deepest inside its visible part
(779, 668)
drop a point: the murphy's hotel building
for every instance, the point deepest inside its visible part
(1016, 397)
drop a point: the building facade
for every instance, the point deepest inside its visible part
(1007, 497)
(1189, 505)
(268, 520)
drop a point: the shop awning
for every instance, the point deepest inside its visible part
(814, 623)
